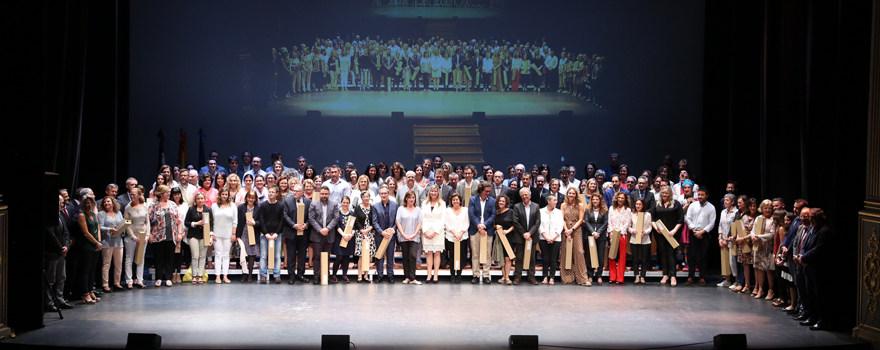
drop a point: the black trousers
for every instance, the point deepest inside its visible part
(297, 247)
(641, 256)
(800, 281)
(85, 271)
(520, 249)
(698, 252)
(600, 251)
(818, 289)
(665, 254)
(552, 79)
(164, 253)
(72, 288)
(462, 255)
(341, 261)
(410, 251)
(322, 246)
(550, 257)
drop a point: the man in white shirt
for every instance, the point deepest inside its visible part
(338, 187)
(551, 62)
(256, 163)
(655, 189)
(572, 178)
(700, 218)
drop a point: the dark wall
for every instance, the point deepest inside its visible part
(785, 108)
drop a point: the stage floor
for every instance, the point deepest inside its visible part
(441, 316)
(431, 104)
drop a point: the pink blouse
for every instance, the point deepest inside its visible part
(621, 220)
(210, 196)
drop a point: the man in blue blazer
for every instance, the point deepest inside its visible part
(385, 223)
(816, 259)
(481, 211)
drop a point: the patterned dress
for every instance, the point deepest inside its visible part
(746, 258)
(578, 272)
(764, 255)
(359, 237)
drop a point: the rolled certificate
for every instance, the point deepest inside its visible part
(503, 238)
(527, 255)
(615, 244)
(206, 229)
(271, 264)
(349, 225)
(741, 233)
(364, 265)
(483, 248)
(457, 265)
(300, 216)
(594, 257)
(380, 252)
(759, 231)
(325, 260)
(569, 246)
(725, 261)
(640, 227)
(139, 253)
(251, 239)
(665, 232)
(121, 227)
(467, 195)
(415, 73)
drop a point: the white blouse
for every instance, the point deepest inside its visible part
(646, 228)
(621, 220)
(224, 220)
(727, 218)
(551, 224)
(434, 219)
(457, 223)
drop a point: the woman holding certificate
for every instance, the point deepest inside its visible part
(504, 226)
(669, 212)
(619, 222)
(748, 213)
(573, 215)
(195, 221)
(210, 192)
(726, 239)
(433, 222)
(137, 213)
(596, 224)
(762, 238)
(641, 249)
(224, 232)
(88, 245)
(551, 237)
(252, 249)
(457, 224)
(165, 224)
(111, 242)
(343, 254)
(363, 230)
(182, 208)
(409, 224)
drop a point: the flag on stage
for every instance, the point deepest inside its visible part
(181, 151)
(161, 137)
(202, 161)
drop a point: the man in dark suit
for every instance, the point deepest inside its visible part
(445, 190)
(481, 213)
(816, 260)
(526, 221)
(498, 187)
(457, 65)
(641, 191)
(125, 198)
(802, 313)
(385, 223)
(57, 246)
(323, 219)
(297, 245)
(539, 191)
(554, 191)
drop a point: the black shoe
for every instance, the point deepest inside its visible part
(333, 280)
(487, 280)
(800, 317)
(277, 280)
(302, 279)
(807, 323)
(51, 308)
(291, 280)
(316, 281)
(475, 280)
(98, 293)
(391, 280)
(791, 312)
(66, 305)
(818, 327)
(378, 279)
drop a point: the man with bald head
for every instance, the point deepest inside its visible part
(498, 187)
(526, 221)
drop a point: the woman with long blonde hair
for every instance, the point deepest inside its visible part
(573, 214)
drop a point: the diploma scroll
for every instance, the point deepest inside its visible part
(325, 260)
(457, 266)
(300, 216)
(741, 233)
(503, 238)
(349, 226)
(250, 229)
(594, 255)
(468, 72)
(467, 195)
(615, 244)
(380, 252)
(206, 229)
(569, 246)
(527, 254)
(483, 248)
(665, 232)
(364, 264)
(415, 73)
(139, 253)
(121, 227)
(640, 227)
(725, 261)
(271, 264)
(536, 69)
(759, 231)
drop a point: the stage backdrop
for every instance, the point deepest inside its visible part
(200, 65)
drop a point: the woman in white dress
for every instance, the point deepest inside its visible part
(225, 224)
(446, 68)
(433, 227)
(457, 224)
(436, 65)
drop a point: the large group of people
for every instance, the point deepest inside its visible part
(434, 64)
(452, 215)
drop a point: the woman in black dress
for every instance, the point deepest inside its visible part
(250, 205)
(670, 213)
(504, 226)
(343, 254)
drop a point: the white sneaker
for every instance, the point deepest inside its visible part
(732, 286)
(723, 284)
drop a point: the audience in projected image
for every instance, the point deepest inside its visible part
(434, 64)
(491, 4)
(425, 210)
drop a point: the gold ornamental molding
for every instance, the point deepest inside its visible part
(872, 272)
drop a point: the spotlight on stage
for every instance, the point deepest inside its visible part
(143, 341)
(313, 113)
(335, 342)
(524, 342)
(731, 342)
(479, 115)
(566, 113)
(396, 115)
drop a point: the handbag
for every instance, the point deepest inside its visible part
(187, 277)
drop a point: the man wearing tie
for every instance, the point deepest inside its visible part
(815, 258)
(526, 221)
(323, 219)
(385, 223)
(641, 191)
(800, 278)
(498, 187)
(445, 190)
(296, 245)
(55, 263)
(481, 212)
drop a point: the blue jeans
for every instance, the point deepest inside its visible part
(386, 264)
(740, 276)
(264, 254)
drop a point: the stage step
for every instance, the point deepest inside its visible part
(456, 143)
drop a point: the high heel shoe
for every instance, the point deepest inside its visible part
(674, 282)
(745, 290)
(770, 295)
(664, 279)
(96, 299)
(86, 299)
